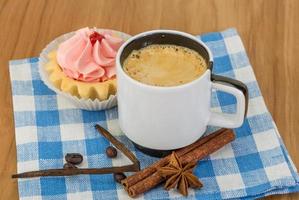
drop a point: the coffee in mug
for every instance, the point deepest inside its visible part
(160, 119)
(164, 65)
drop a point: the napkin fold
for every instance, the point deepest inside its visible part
(47, 127)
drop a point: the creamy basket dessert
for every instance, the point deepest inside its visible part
(80, 66)
(84, 65)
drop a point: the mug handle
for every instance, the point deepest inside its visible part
(237, 89)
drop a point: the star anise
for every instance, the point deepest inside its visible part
(179, 176)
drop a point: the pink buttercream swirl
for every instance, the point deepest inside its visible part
(87, 61)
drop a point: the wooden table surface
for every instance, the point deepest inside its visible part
(269, 29)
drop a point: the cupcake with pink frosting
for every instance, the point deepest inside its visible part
(81, 67)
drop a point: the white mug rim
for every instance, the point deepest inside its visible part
(120, 68)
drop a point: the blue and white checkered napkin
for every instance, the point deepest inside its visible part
(256, 164)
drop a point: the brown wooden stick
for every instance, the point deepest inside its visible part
(197, 154)
(108, 170)
(144, 173)
(70, 172)
(120, 146)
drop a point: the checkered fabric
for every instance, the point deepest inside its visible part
(47, 127)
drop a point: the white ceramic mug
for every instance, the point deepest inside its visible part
(167, 118)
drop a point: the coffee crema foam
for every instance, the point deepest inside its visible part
(164, 65)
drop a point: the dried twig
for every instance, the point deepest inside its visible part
(108, 170)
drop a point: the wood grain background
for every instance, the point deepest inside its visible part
(269, 29)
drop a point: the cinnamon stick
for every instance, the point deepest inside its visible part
(209, 146)
(144, 173)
